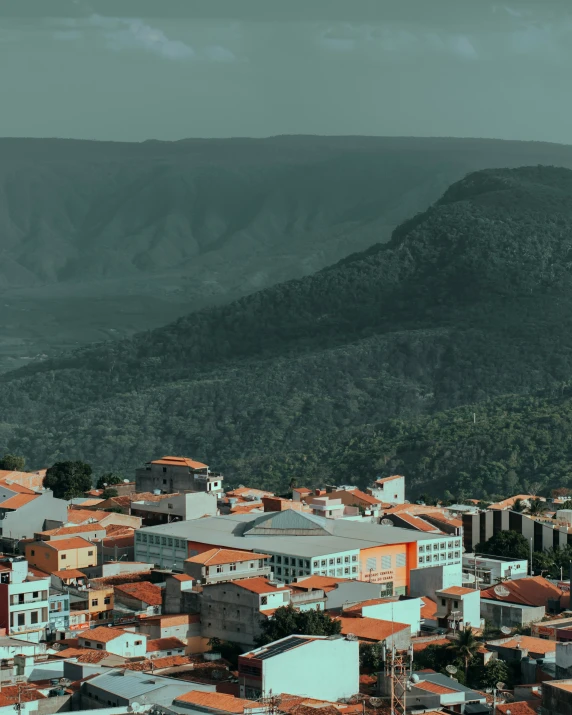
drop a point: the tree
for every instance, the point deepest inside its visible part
(12, 463)
(505, 543)
(465, 647)
(567, 504)
(495, 671)
(108, 493)
(108, 479)
(537, 507)
(287, 621)
(370, 656)
(68, 479)
(518, 506)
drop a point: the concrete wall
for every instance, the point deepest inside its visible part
(32, 517)
(349, 592)
(563, 660)
(406, 611)
(224, 572)
(555, 700)
(427, 581)
(510, 615)
(186, 506)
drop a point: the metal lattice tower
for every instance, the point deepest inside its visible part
(398, 666)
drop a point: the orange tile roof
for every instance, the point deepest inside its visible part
(177, 619)
(32, 480)
(81, 516)
(214, 557)
(428, 609)
(362, 496)
(356, 607)
(164, 644)
(520, 708)
(242, 491)
(182, 577)
(418, 647)
(302, 490)
(17, 488)
(325, 583)
(528, 591)
(168, 661)
(456, 590)
(370, 629)
(243, 508)
(416, 522)
(76, 542)
(142, 591)
(122, 541)
(217, 701)
(435, 688)
(180, 462)
(69, 573)
(562, 686)
(258, 584)
(536, 645)
(388, 479)
(102, 634)
(11, 694)
(507, 503)
(78, 529)
(18, 500)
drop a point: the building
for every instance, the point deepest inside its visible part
(23, 512)
(389, 489)
(310, 666)
(559, 629)
(216, 565)
(521, 602)
(90, 532)
(352, 496)
(458, 607)
(233, 611)
(172, 475)
(217, 703)
(175, 507)
(140, 597)
(557, 697)
(488, 570)
(480, 527)
(114, 640)
(61, 554)
(402, 610)
(24, 601)
(373, 630)
(59, 615)
(301, 544)
(165, 647)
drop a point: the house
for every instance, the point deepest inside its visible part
(400, 609)
(177, 474)
(233, 610)
(91, 532)
(59, 615)
(118, 545)
(509, 503)
(389, 489)
(558, 629)
(458, 607)
(310, 666)
(24, 511)
(300, 493)
(115, 641)
(331, 508)
(515, 648)
(24, 601)
(88, 605)
(490, 570)
(30, 480)
(172, 507)
(59, 554)
(430, 690)
(78, 516)
(352, 496)
(140, 596)
(374, 630)
(162, 647)
(521, 602)
(216, 565)
(199, 701)
(557, 697)
(179, 625)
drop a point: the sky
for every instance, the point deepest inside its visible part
(131, 70)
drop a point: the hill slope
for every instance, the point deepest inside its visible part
(469, 300)
(100, 240)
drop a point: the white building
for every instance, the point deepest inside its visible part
(116, 641)
(389, 489)
(492, 569)
(24, 601)
(458, 607)
(406, 610)
(325, 668)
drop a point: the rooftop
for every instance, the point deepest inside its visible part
(217, 701)
(215, 557)
(281, 646)
(370, 629)
(83, 516)
(520, 708)
(18, 500)
(383, 480)
(436, 688)
(179, 462)
(528, 591)
(457, 591)
(142, 591)
(69, 530)
(324, 583)
(103, 634)
(76, 542)
(164, 644)
(259, 584)
(428, 608)
(68, 573)
(535, 645)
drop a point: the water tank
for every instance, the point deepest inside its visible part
(156, 492)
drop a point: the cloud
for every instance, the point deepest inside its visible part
(68, 35)
(217, 53)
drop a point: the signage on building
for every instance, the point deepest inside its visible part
(79, 626)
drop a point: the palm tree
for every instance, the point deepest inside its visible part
(465, 647)
(537, 507)
(518, 506)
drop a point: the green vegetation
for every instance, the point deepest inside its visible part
(108, 480)
(287, 621)
(68, 479)
(12, 463)
(505, 543)
(443, 355)
(465, 647)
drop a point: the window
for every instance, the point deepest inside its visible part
(455, 604)
(286, 560)
(279, 571)
(170, 542)
(95, 601)
(331, 562)
(233, 567)
(346, 559)
(443, 546)
(164, 540)
(34, 617)
(237, 613)
(138, 642)
(457, 543)
(169, 506)
(307, 564)
(107, 600)
(347, 570)
(339, 560)
(442, 557)
(400, 560)
(450, 555)
(32, 552)
(260, 563)
(421, 549)
(435, 557)
(219, 568)
(301, 563)
(450, 545)
(354, 569)
(63, 557)
(421, 559)
(435, 547)
(176, 542)
(371, 564)
(443, 602)
(164, 481)
(164, 472)
(90, 553)
(252, 564)
(99, 646)
(354, 558)
(286, 572)
(456, 554)
(87, 643)
(279, 559)
(21, 619)
(144, 538)
(35, 594)
(386, 562)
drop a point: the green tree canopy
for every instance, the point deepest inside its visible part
(465, 647)
(505, 543)
(108, 479)
(68, 479)
(13, 463)
(287, 621)
(108, 493)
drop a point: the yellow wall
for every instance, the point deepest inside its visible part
(398, 575)
(48, 559)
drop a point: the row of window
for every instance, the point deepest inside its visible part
(440, 557)
(316, 563)
(160, 540)
(441, 546)
(232, 567)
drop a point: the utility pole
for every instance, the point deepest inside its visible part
(398, 666)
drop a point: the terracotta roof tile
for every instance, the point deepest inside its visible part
(435, 688)
(418, 647)
(258, 584)
(10, 695)
(83, 516)
(217, 701)
(388, 479)
(536, 645)
(370, 629)
(169, 661)
(416, 522)
(96, 529)
(76, 542)
(456, 591)
(17, 488)
(519, 708)
(428, 609)
(325, 583)
(180, 462)
(529, 591)
(164, 644)
(103, 634)
(142, 591)
(69, 573)
(362, 496)
(182, 577)
(214, 557)
(177, 619)
(18, 500)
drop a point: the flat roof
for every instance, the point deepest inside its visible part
(228, 531)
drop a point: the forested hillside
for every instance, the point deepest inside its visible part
(103, 239)
(469, 301)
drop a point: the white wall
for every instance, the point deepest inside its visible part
(408, 611)
(122, 645)
(472, 609)
(325, 669)
(564, 655)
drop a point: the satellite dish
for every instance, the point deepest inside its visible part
(386, 522)
(376, 702)
(414, 678)
(137, 707)
(500, 686)
(65, 682)
(451, 669)
(502, 591)
(506, 630)
(351, 637)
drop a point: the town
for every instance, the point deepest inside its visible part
(168, 594)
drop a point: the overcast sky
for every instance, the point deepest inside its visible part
(169, 69)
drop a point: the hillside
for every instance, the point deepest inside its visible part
(101, 240)
(468, 301)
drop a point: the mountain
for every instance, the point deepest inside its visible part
(469, 301)
(100, 240)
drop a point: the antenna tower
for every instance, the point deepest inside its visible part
(398, 668)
